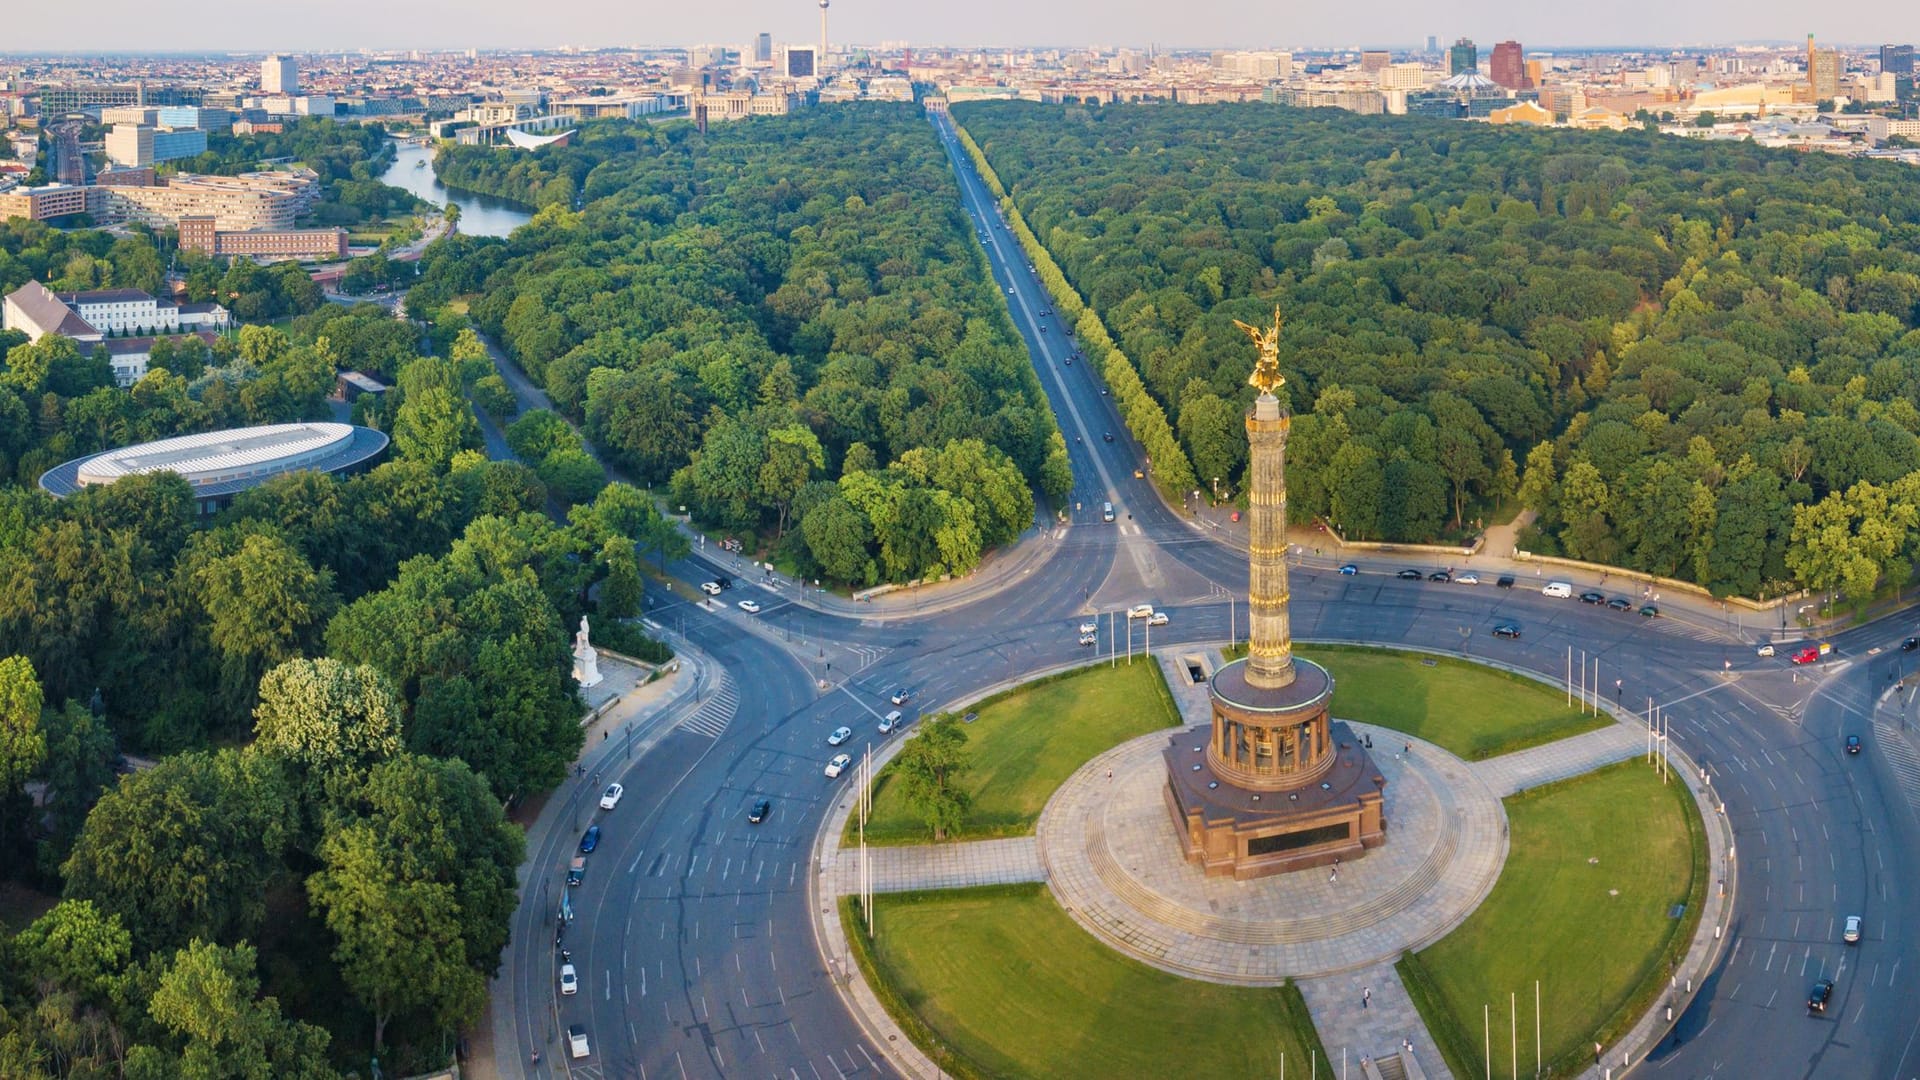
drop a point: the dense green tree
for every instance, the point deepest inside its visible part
(186, 849)
(208, 998)
(23, 746)
(417, 885)
(931, 767)
(80, 765)
(434, 420)
(324, 717)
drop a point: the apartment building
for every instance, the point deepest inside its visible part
(203, 234)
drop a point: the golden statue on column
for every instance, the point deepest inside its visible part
(1266, 376)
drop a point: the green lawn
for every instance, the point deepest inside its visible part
(1474, 711)
(1601, 958)
(1000, 982)
(1027, 741)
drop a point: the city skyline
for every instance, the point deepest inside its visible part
(226, 25)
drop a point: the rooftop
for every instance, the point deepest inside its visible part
(220, 463)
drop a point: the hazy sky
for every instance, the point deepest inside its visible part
(114, 25)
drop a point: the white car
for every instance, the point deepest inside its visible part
(1158, 618)
(1140, 611)
(711, 588)
(610, 798)
(1851, 935)
(900, 696)
(838, 765)
(889, 722)
(1089, 628)
(750, 607)
(1466, 579)
(577, 1040)
(840, 735)
(1766, 649)
(569, 981)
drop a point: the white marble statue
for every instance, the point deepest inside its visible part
(586, 662)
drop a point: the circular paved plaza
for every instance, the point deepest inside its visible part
(1114, 863)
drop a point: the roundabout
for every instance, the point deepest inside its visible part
(953, 955)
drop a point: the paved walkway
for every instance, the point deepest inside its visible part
(1115, 864)
(1370, 1026)
(941, 866)
(1511, 773)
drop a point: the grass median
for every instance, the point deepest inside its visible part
(1585, 906)
(1027, 741)
(999, 982)
(1472, 710)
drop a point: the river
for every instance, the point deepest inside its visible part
(480, 215)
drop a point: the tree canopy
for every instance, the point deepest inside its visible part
(1704, 337)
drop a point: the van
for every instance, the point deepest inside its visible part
(1106, 512)
(1557, 588)
(890, 721)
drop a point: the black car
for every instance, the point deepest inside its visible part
(1506, 629)
(1649, 611)
(1817, 997)
(760, 811)
(1619, 603)
(1440, 576)
(723, 581)
(1593, 598)
(1107, 436)
(1408, 574)
(1505, 582)
(1910, 644)
(591, 840)
(1853, 744)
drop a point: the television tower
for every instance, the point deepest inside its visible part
(820, 63)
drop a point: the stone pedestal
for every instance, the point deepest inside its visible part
(1280, 787)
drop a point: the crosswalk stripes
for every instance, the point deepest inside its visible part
(1901, 758)
(714, 714)
(1682, 628)
(869, 654)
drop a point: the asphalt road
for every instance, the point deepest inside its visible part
(692, 936)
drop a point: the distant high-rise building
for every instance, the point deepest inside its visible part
(1433, 43)
(801, 62)
(1823, 73)
(1374, 61)
(1509, 66)
(763, 49)
(1463, 58)
(279, 75)
(1896, 59)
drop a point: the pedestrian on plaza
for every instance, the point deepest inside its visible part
(1109, 776)
(1366, 997)
(1333, 875)
(1596, 1055)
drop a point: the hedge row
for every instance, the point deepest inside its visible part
(1168, 464)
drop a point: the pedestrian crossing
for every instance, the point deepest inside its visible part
(1901, 759)
(716, 712)
(868, 655)
(1713, 634)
